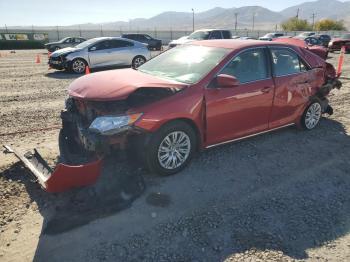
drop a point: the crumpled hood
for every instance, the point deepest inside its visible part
(116, 84)
(64, 51)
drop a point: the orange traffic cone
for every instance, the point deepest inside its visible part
(87, 70)
(37, 60)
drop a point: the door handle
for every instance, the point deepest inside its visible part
(266, 89)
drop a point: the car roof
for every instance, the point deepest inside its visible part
(235, 44)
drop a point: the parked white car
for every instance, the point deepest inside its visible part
(100, 52)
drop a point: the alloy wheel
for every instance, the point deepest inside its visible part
(313, 115)
(78, 66)
(138, 62)
(174, 150)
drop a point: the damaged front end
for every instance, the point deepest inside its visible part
(331, 82)
(90, 131)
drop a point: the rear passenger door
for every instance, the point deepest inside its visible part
(294, 81)
(100, 54)
(121, 52)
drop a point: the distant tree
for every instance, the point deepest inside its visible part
(295, 24)
(329, 24)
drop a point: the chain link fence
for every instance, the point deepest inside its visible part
(166, 36)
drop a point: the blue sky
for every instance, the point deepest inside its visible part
(67, 12)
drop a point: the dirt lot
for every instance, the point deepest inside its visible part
(282, 196)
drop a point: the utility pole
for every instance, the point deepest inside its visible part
(58, 33)
(192, 20)
(313, 21)
(236, 21)
(297, 16)
(253, 21)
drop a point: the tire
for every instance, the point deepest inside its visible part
(138, 61)
(56, 48)
(78, 66)
(160, 156)
(311, 116)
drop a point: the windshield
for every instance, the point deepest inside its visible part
(86, 43)
(268, 36)
(199, 35)
(345, 36)
(64, 39)
(187, 64)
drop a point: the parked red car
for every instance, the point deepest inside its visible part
(192, 97)
(319, 50)
(337, 43)
(197, 96)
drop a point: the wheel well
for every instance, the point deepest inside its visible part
(139, 56)
(192, 124)
(80, 59)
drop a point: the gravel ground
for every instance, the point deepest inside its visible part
(282, 196)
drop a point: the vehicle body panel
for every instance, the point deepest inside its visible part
(116, 85)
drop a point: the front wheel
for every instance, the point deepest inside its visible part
(138, 61)
(78, 66)
(311, 116)
(171, 148)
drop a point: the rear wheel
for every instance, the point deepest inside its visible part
(171, 148)
(311, 116)
(78, 66)
(138, 61)
(56, 48)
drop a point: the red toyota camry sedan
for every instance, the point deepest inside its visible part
(196, 96)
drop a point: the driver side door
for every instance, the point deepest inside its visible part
(238, 111)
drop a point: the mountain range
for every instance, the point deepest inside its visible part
(264, 19)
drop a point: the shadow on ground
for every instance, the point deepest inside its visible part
(286, 191)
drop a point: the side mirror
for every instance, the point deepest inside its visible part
(93, 48)
(225, 81)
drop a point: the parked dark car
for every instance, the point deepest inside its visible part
(63, 43)
(146, 39)
(325, 39)
(313, 40)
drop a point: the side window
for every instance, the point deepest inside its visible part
(120, 43)
(215, 35)
(147, 37)
(226, 34)
(287, 62)
(102, 45)
(248, 66)
(69, 40)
